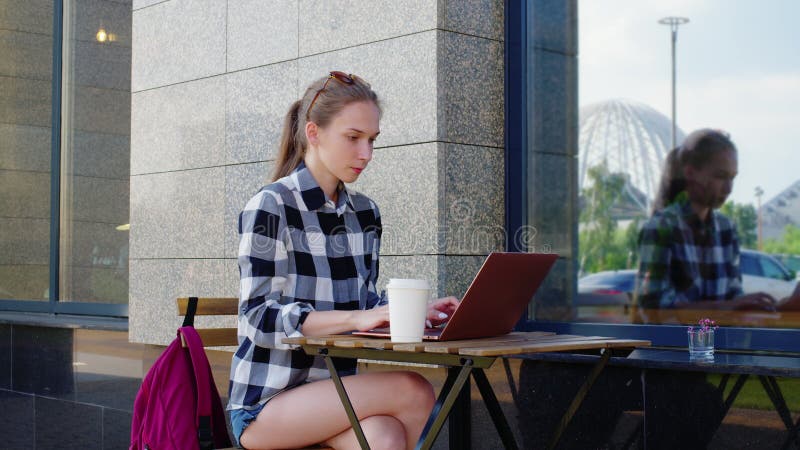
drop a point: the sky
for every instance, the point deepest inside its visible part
(738, 69)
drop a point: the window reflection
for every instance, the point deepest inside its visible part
(26, 42)
(625, 128)
(95, 152)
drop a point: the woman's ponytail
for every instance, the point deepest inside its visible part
(290, 152)
(672, 181)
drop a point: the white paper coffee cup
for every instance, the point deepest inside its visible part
(408, 307)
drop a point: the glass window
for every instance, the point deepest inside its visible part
(750, 266)
(736, 70)
(772, 269)
(95, 151)
(26, 53)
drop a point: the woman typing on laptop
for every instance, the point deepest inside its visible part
(308, 261)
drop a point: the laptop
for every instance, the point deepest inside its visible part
(494, 301)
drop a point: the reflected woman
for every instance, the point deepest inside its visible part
(689, 251)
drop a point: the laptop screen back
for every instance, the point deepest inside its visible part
(499, 295)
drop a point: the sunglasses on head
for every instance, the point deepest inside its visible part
(341, 77)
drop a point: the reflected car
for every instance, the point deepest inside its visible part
(605, 296)
(761, 272)
(611, 287)
(791, 262)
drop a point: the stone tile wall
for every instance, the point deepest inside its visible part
(211, 84)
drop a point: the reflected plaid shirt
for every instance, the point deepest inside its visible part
(298, 252)
(683, 259)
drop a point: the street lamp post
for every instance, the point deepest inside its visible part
(759, 193)
(674, 23)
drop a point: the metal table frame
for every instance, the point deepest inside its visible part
(455, 389)
(738, 365)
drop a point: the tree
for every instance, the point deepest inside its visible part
(789, 244)
(602, 245)
(746, 220)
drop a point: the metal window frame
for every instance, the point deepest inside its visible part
(516, 199)
(52, 305)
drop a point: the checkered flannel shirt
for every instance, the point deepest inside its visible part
(298, 253)
(683, 259)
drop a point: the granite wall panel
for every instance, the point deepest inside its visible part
(32, 16)
(27, 101)
(481, 18)
(403, 73)
(178, 214)
(242, 182)
(404, 183)
(328, 26)
(24, 194)
(26, 55)
(474, 200)
(156, 283)
(178, 127)
(470, 90)
(260, 33)
(177, 41)
(25, 148)
(256, 104)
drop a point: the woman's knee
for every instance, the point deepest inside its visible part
(384, 433)
(415, 390)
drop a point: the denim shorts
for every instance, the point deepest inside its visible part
(240, 419)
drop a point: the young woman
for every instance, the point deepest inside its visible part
(308, 262)
(689, 252)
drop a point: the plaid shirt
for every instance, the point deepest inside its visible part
(683, 259)
(298, 252)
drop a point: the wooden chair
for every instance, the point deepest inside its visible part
(224, 336)
(214, 306)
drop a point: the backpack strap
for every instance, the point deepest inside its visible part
(191, 310)
(202, 375)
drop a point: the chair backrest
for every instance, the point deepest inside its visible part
(214, 306)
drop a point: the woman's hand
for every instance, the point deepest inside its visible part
(758, 301)
(369, 319)
(441, 309)
(790, 303)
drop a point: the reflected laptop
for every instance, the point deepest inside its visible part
(494, 301)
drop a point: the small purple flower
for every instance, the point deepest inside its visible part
(703, 326)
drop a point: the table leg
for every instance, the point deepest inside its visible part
(576, 402)
(447, 397)
(348, 407)
(792, 435)
(460, 422)
(723, 383)
(775, 395)
(495, 412)
(511, 385)
(737, 387)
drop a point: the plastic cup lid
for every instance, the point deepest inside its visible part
(407, 283)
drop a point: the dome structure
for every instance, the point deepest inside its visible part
(628, 137)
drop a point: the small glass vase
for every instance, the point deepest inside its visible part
(701, 344)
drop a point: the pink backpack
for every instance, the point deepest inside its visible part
(178, 406)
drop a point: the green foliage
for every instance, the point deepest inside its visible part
(753, 396)
(603, 246)
(746, 219)
(789, 244)
(614, 254)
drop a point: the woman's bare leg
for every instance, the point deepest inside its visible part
(382, 433)
(313, 413)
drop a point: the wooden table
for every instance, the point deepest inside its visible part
(462, 359)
